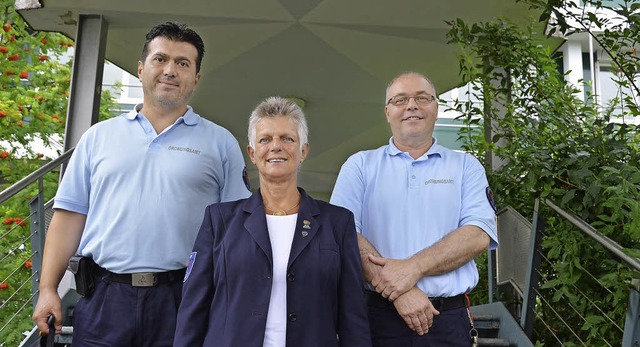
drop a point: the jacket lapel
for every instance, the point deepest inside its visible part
(306, 226)
(256, 223)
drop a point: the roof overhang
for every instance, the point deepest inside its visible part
(336, 55)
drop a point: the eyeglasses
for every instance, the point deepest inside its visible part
(401, 100)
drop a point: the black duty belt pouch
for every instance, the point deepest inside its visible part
(83, 269)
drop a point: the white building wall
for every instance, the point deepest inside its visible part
(572, 64)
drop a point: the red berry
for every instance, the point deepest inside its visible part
(24, 74)
(7, 221)
(9, 73)
(3, 113)
(19, 123)
(19, 221)
(43, 40)
(28, 264)
(4, 285)
(43, 58)
(40, 155)
(4, 155)
(13, 57)
(7, 28)
(55, 116)
(20, 108)
(4, 49)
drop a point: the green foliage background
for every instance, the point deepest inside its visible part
(34, 87)
(555, 146)
(572, 152)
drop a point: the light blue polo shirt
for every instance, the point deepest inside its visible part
(144, 194)
(403, 206)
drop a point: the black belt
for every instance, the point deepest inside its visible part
(439, 303)
(142, 279)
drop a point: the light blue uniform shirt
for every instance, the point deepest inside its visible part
(145, 194)
(403, 206)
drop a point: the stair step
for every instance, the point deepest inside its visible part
(485, 341)
(488, 326)
(492, 323)
(65, 337)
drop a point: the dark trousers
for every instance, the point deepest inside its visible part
(450, 329)
(119, 315)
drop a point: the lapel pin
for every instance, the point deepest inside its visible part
(305, 234)
(306, 224)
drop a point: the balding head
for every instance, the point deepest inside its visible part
(406, 74)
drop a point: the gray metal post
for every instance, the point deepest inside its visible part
(36, 208)
(533, 277)
(492, 161)
(491, 274)
(631, 337)
(86, 78)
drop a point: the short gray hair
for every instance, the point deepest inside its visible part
(276, 106)
(408, 73)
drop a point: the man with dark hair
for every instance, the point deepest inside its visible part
(175, 32)
(423, 212)
(131, 202)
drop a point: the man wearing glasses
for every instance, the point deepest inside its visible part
(422, 213)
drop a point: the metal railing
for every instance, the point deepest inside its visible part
(34, 176)
(590, 231)
(544, 316)
(586, 308)
(22, 241)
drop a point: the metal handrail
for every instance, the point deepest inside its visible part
(606, 242)
(34, 176)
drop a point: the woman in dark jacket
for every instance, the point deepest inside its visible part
(279, 268)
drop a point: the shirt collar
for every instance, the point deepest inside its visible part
(189, 117)
(131, 115)
(436, 148)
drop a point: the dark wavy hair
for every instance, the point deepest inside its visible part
(175, 32)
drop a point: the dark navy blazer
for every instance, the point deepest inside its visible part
(226, 294)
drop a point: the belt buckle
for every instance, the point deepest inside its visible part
(143, 279)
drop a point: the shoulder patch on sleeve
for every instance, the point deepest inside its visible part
(245, 178)
(192, 260)
(492, 202)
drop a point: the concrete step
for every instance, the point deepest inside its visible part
(497, 327)
(486, 342)
(487, 325)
